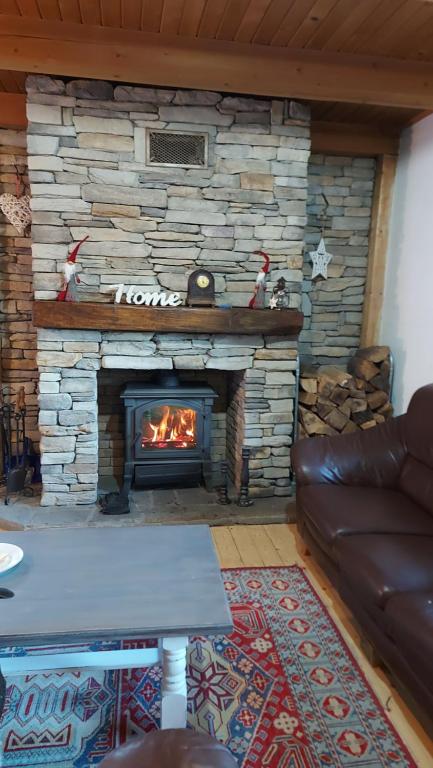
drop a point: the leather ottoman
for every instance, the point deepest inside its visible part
(171, 748)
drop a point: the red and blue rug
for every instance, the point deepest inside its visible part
(282, 691)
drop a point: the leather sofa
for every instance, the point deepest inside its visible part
(365, 512)
(172, 748)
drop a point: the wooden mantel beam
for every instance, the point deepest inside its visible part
(81, 50)
(124, 317)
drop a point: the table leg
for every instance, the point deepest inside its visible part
(173, 687)
(2, 693)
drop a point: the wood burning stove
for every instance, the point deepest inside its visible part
(167, 433)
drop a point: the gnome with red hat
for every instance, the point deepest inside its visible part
(258, 299)
(71, 280)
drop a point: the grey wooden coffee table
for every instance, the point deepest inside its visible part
(79, 585)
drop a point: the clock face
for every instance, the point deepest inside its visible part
(203, 281)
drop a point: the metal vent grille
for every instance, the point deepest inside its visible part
(173, 148)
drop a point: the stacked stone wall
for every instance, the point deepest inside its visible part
(151, 226)
(333, 307)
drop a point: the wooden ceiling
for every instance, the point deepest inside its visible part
(402, 29)
(364, 63)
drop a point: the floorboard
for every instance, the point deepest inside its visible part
(257, 545)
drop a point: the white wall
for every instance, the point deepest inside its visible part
(407, 317)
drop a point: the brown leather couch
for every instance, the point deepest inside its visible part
(365, 511)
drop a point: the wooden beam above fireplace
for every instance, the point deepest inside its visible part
(122, 317)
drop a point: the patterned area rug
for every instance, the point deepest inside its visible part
(283, 691)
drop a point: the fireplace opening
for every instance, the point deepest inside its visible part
(169, 426)
(173, 428)
(167, 432)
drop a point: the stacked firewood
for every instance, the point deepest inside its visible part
(333, 400)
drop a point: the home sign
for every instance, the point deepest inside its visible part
(134, 295)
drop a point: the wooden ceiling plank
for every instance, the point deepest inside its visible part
(28, 8)
(251, 20)
(171, 16)
(411, 47)
(321, 109)
(83, 51)
(351, 139)
(370, 33)
(151, 15)
(424, 46)
(70, 11)
(90, 11)
(110, 13)
(19, 82)
(130, 14)
(355, 17)
(12, 110)
(9, 82)
(290, 21)
(191, 17)
(404, 24)
(232, 18)
(331, 22)
(49, 10)
(277, 13)
(312, 18)
(211, 18)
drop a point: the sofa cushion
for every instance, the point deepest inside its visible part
(416, 481)
(418, 426)
(375, 566)
(409, 623)
(338, 510)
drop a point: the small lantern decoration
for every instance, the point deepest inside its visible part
(280, 295)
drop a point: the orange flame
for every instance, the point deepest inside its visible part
(174, 428)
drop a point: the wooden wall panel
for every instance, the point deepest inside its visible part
(381, 213)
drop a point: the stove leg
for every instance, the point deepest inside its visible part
(173, 686)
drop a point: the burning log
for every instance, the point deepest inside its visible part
(336, 401)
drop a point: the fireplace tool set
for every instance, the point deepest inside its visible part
(222, 489)
(16, 447)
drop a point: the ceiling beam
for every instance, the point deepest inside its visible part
(78, 50)
(12, 110)
(352, 139)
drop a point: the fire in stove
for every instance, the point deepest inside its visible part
(169, 426)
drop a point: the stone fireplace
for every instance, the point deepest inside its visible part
(96, 169)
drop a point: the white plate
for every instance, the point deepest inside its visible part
(10, 555)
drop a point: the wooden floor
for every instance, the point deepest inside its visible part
(252, 545)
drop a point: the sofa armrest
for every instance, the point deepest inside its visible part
(373, 457)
